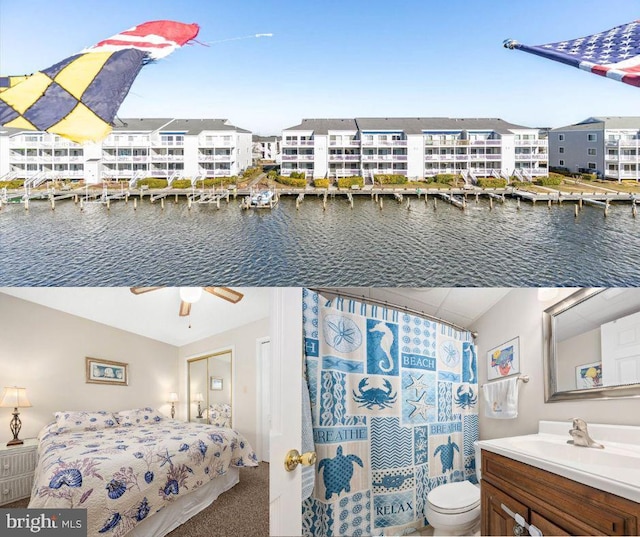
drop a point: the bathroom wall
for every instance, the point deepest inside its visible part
(44, 350)
(519, 313)
(242, 341)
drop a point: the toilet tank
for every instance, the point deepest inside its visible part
(477, 449)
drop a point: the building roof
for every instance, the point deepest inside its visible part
(323, 126)
(407, 125)
(604, 122)
(137, 124)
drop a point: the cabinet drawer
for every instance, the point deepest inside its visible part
(14, 464)
(15, 488)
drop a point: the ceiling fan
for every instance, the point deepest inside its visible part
(190, 295)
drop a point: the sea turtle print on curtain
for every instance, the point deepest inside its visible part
(394, 407)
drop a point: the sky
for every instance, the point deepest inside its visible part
(339, 58)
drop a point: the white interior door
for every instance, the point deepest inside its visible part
(265, 397)
(285, 495)
(621, 351)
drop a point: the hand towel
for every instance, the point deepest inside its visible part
(501, 399)
(308, 472)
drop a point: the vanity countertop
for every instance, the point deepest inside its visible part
(615, 469)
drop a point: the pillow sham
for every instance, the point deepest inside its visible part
(139, 416)
(82, 420)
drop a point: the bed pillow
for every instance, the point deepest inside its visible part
(80, 420)
(139, 416)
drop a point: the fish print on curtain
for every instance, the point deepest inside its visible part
(394, 407)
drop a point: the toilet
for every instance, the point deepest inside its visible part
(454, 508)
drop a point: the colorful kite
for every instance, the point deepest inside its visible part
(79, 97)
(614, 53)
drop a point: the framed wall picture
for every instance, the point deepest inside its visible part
(216, 383)
(504, 360)
(589, 376)
(106, 372)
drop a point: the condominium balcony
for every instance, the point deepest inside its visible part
(297, 157)
(296, 143)
(531, 143)
(623, 158)
(126, 143)
(633, 142)
(384, 143)
(349, 143)
(214, 158)
(339, 158)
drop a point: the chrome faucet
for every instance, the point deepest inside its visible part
(581, 435)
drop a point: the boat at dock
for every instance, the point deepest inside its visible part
(265, 199)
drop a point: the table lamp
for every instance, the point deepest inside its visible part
(14, 397)
(173, 399)
(198, 398)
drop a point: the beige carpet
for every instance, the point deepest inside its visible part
(243, 510)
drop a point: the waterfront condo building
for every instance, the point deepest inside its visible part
(606, 146)
(413, 147)
(266, 149)
(161, 147)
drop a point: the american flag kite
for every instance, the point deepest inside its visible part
(613, 53)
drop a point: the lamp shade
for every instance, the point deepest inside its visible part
(198, 397)
(14, 397)
(173, 397)
(190, 294)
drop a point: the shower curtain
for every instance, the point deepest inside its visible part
(394, 414)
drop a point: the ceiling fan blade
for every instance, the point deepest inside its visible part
(226, 293)
(185, 308)
(140, 290)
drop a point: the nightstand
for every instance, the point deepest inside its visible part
(17, 464)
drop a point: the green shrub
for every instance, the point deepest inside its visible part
(491, 182)
(549, 181)
(588, 176)
(216, 181)
(297, 175)
(390, 179)
(152, 182)
(251, 173)
(446, 178)
(181, 183)
(15, 183)
(295, 182)
(321, 183)
(273, 174)
(348, 182)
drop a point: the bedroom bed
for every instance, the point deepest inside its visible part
(137, 472)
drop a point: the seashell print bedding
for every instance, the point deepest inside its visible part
(123, 475)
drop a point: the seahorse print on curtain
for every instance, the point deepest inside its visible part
(394, 409)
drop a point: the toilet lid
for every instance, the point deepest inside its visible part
(454, 497)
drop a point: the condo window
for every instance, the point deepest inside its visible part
(561, 137)
(592, 165)
(592, 137)
(591, 151)
(561, 162)
(560, 149)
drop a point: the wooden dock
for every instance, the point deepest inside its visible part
(458, 197)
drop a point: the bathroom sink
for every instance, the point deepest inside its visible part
(616, 468)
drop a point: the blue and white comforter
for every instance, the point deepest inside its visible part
(123, 475)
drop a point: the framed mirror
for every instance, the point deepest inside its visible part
(592, 345)
(210, 387)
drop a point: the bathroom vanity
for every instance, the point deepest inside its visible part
(559, 488)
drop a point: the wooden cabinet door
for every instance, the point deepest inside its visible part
(546, 526)
(495, 521)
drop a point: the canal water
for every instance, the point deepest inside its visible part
(339, 246)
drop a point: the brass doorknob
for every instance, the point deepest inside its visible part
(293, 458)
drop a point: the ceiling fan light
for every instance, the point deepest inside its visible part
(190, 294)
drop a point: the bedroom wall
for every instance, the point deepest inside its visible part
(44, 350)
(243, 342)
(519, 313)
